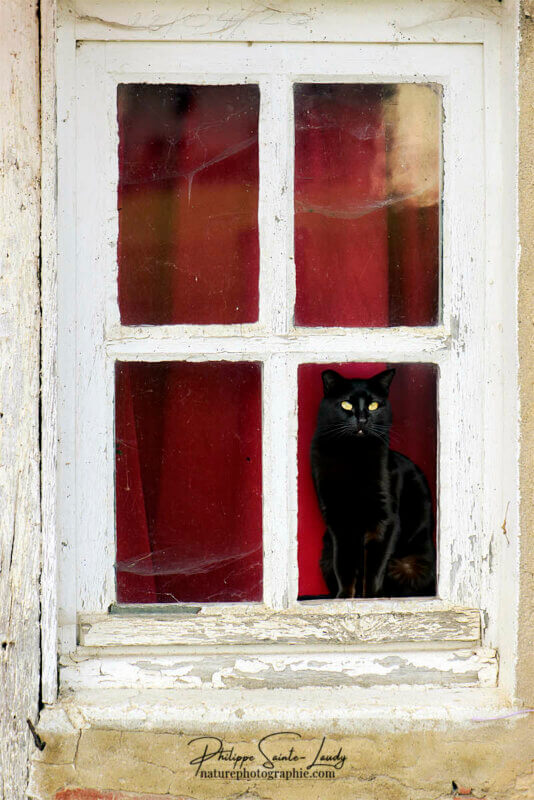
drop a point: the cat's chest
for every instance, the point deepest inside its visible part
(357, 478)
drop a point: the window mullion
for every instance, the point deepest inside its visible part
(279, 481)
(275, 212)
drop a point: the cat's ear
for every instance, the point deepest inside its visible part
(333, 383)
(383, 380)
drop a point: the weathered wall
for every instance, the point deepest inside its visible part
(19, 389)
(495, 760)
(526, 353)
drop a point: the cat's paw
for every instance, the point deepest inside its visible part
(347, 592)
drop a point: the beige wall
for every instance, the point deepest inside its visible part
(526, 354)
(495, 760)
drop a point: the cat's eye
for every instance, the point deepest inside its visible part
(346, 405)
(373, 406)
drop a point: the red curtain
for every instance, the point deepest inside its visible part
(188, 469)
(366, 254)
(188, 204)
(133, 493)
(188, 473)
(188, 482)
(341, 242)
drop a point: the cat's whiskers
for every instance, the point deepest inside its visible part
(380, 431)
(337, 430)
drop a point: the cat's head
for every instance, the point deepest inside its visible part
(356, 408)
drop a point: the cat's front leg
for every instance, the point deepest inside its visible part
(347, 565)
(381, 555)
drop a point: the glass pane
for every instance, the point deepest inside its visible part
(188, 482)
(346, 465)
(188, 204)
(367, 200)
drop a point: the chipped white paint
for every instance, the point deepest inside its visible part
(475, 668)
(49, 627)
(419, 344)
(501, 581)
(276, 143)
(66, 328)
(95, 283)
(470, 508)
(279, 453)
(339, 622)
(20, 540)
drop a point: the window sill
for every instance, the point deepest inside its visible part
(341, 622)
(248, 669)
(339, 663)
(376, 647)
(343, 710)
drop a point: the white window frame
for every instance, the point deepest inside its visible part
(472, 363)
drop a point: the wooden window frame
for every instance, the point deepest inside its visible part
(474, 304)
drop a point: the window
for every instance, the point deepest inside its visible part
(252, 340)
(367, 254)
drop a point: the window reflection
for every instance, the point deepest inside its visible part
(367, 198)
(188, 204)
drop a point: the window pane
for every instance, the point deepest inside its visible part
(188, 482)
(413, 433)
(367, 200)
(188, 204)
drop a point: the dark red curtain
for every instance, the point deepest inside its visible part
(188, 204)
(188, 482)
(188, 469)
(366, 254)
(341, 242)
(132, 492)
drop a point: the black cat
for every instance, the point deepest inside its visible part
(375, 501)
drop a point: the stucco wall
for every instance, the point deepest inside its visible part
(526, 353)
(494, 760)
